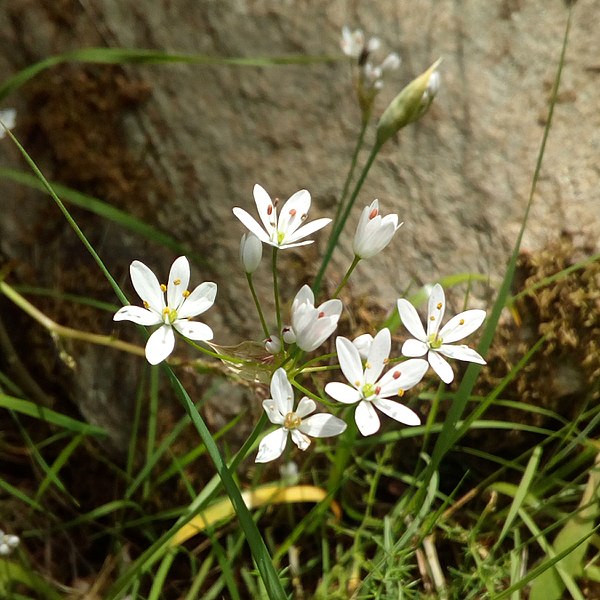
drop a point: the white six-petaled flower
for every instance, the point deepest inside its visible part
(8, 543)
(369, 389)
(436, 342)
(285, 231)
(311, 325)
(280, 410)
(175, 313)
(374, 232)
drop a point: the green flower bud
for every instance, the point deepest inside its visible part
(410, 104)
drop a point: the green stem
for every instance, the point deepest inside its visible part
(347, 276)
(339, 226)
(261, 316)
(276, 293)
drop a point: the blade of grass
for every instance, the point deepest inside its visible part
(148, 56)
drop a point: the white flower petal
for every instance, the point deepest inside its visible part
(462, 325)
(350, 362)
(272, 411)
(199, 301)
(281, 391)
(305, 407)
(379, 353)
(363, 344)
(441, 367)
(304, 296)
(342, 392)
(412, 348)
(194, 330)
(266, 209)
(435, 309)
(147, 286)
(402, 377)
(307, 229)
(366, 418)
(322, 425)
(251, 223)
(397, 411)
(160, 344)
(300, 439)
(138, 315)
(461, 352)
(272, 446)
(293, 213)
(179, 279)
(286, 245)
(410, 319)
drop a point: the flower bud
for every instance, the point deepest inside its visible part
(8, 117)
(363, 344)
(273, 344)
(250, 252)
(289, 337)
(410, 104)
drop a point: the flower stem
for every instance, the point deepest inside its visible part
(261, 316)
(276, 293)
(341, 222)
(346, 276)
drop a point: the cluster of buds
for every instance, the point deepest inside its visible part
(8, 543)
(370, 74)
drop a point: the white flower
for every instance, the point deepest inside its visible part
(368, 389)
(8, 116)
(176, 313)
(250, 252)
(353, 43)
(434, 343)
(280, 410)
(374, 232)
(8, 543)
(285, 231)
(312, 326)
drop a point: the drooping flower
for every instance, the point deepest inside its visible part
(250, 252)
(175, 313)
(8, 116)
(280, 410)
(370, 390)
(312, 326)
(273, 344)
(436, 342)
(286, 231)
(8, 543)
(374, 232)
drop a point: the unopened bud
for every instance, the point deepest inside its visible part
(273, 344)
(410, 104)
(250, 252)
(289, 337)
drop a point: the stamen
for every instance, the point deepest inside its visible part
(321, 315)
(461, 322)
(163, 287)
(377, 390)
(367, 365)
(357, 383)
(400, 393)
(185, 293)
(292, 421)
(146, 305)
(270, 209)
(432, 318)
(373, 213)
(303, 217)
(396, 374)
(386, 361)
(439, 306)
(177, 281)
(293, 212)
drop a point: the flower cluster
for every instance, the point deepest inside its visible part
(8, 543)
(376, 378)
